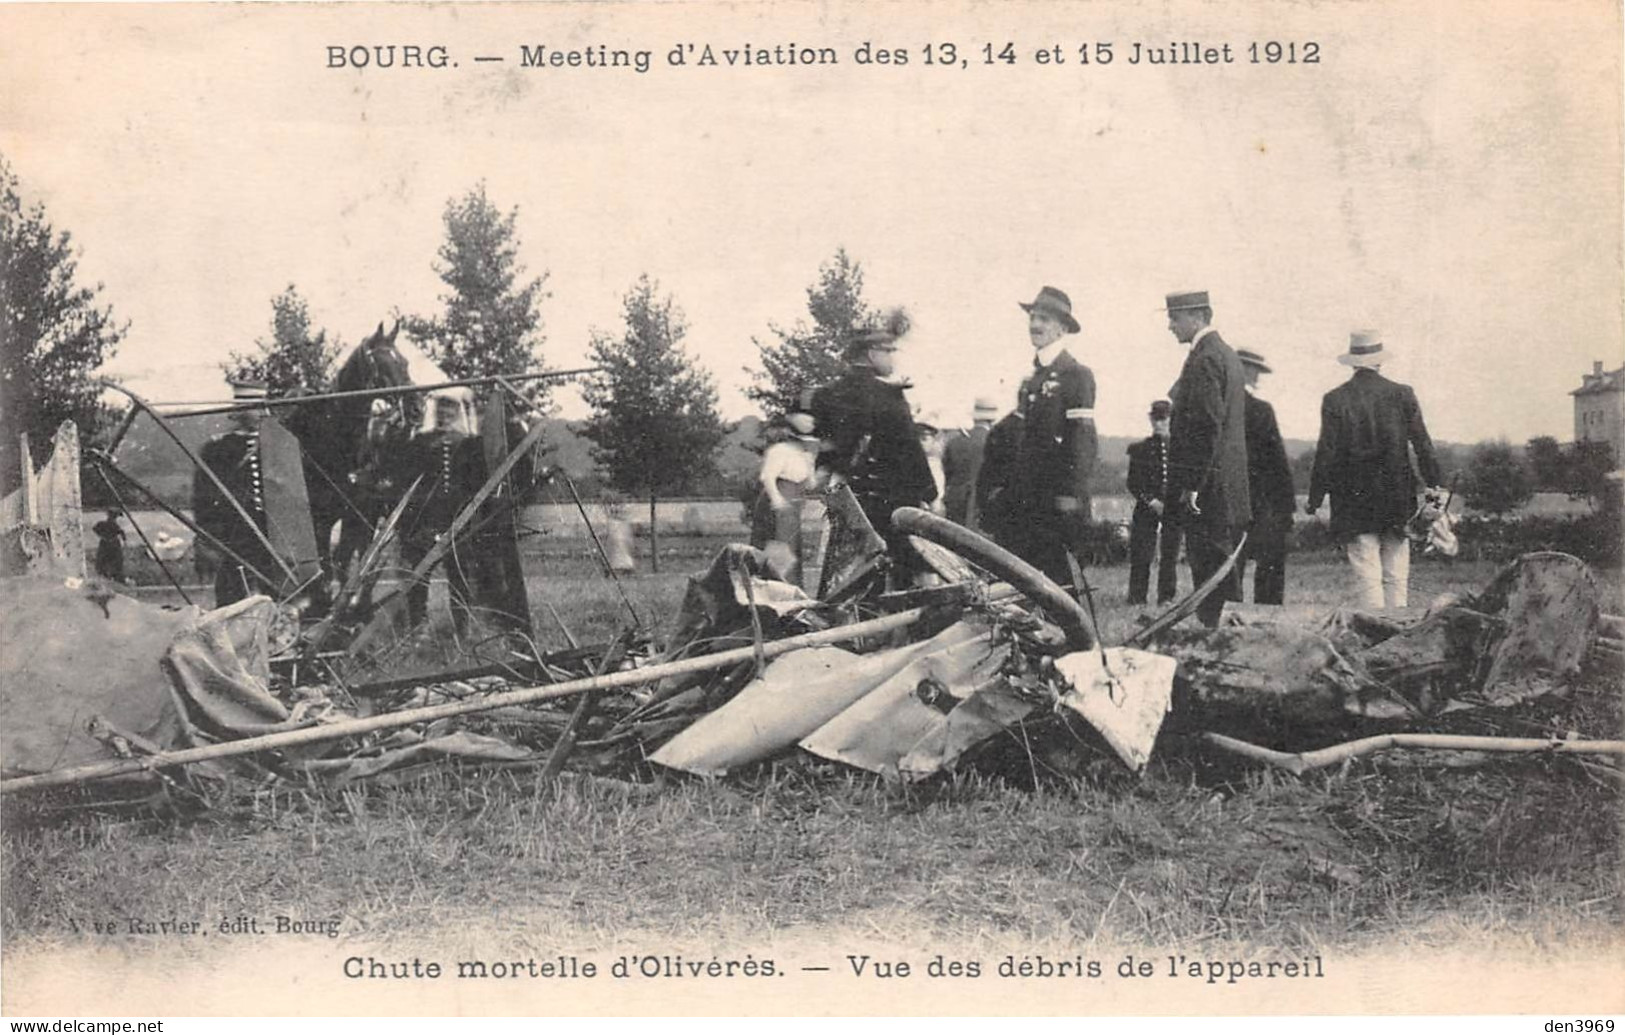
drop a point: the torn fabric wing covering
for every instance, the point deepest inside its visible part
(880, 728)
(797, 693)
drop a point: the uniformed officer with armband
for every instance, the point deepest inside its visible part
(1056, 454)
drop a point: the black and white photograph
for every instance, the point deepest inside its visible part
(812, 509)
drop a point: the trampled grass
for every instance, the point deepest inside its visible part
(1198, 850)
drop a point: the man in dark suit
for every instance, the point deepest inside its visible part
(1269, 481)
(437, 459)
(867, 418)
(1368, 426)
(962, 461)
(1056, 453)
(1207, 466)
(1152, 521)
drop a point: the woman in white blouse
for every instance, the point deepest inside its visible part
(789, 472)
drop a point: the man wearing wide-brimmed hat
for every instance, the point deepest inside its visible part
(1153, 521)
(962, 462)
(1368, 427)
(1055, 455)
(1207, 467)
(866, 417)
(1269, 483)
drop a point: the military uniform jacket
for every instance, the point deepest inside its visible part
(1362, 460)
(1208, 434)
(235, 458)
(1148, 470)
(1059, 445)
(1269, 475)
(874, 443)
(438, 459)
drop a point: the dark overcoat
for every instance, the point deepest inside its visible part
(873, 443)
(1269, 474)
(961, 463)
(1368, 425)
(1208, 436)
(1059, 444)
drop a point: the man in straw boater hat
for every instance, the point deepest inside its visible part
(1207, 466)
(1055, 453)
(1152, 523)
(866, 417)
(1269, 482)
(1368, 427)
(962, 462)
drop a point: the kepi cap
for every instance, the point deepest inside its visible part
(1161, 409)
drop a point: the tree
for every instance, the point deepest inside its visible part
(1546, 463)
(53, 334)
(293, 358)
(491, 324)
(805, 357)
(1497, 483)
(654, 422)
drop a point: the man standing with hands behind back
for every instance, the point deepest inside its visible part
(1207, 468)
(1056, 452)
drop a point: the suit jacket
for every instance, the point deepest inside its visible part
(1059, 445)
(961, 462)
(992, 494)
(1208, 435)
(1148, 470)
(874, 444)
(1367, 427)
(1269, 475)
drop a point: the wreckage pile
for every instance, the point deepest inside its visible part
(982, 663)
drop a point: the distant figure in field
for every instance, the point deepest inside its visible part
(1153, 523)
(109, 548)
(1368, 427)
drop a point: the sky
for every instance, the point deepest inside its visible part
(1448, 173)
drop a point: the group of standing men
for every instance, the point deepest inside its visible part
(1214, 468)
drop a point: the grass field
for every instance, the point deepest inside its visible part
(1386, 851)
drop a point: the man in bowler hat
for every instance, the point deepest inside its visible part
(1269, 481)
(1153, 521)
(1056, 453)
(1368, 427)
(1207, 466)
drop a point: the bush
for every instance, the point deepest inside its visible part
(1594, 538)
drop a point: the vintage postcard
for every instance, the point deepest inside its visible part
(393, 645)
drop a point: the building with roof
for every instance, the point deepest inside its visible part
(1599, 409)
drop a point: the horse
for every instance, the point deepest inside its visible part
(347, 444)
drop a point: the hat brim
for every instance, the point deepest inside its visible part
(1262, 368)
(1067, 319)
(1349, 359)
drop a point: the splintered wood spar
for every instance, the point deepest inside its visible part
(1301, 762)
(526, 695)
